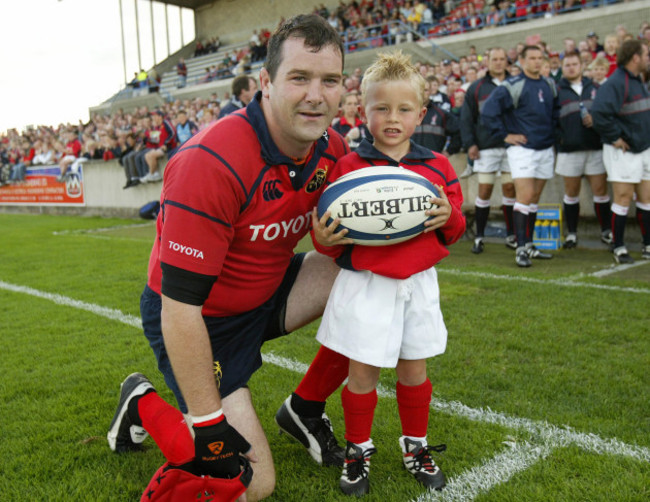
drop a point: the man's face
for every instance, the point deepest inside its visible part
(350, 105)
(572, 68)
(304, 97)
(247, 95)
(497, 63)
(532, 62)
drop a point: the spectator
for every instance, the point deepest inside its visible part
(598, 69)
(153, 81)
(487, 152)
(580, 151)
(181, 72)
(350, 125)
(244, 88)
(523, 112)
(611, 46)
(622, 118)
(569, 47)
(160, 142)
(436, 96)
(185, 128)
(439, 130)
(72, 152)
(427, 21)
(555, 66)
(19, 170)
(127, 160)
(593, 44)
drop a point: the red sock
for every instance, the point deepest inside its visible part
(167, 427)
(413, 405)
(326, 373)
(358, 410)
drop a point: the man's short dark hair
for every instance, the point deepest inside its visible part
(240, 84)
(627, 50)
(312, 28)
(528, 48)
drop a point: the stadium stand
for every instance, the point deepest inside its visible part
(125, 111)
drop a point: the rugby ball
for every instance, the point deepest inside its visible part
(379, 205)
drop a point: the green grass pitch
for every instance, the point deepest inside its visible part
(543, 393)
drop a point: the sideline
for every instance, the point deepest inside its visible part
(534, 280)
(517, 457)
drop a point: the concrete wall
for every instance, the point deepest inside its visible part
(103, 182)
(234, 20)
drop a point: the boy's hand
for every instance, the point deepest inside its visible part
(326, 235)
(441, 214)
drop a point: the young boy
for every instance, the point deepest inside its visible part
(384, 309)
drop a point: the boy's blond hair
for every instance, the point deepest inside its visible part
(600, 61)
(390, 67)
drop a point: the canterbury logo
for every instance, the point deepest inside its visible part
(216, 447)
(270, 190)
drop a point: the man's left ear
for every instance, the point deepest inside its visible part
(265, 82)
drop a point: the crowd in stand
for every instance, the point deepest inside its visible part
(375, 23)
(121, 134)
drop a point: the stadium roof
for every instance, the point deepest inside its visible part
(189, 4)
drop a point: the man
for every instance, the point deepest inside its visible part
(621, 115)
(185, 128)
(487, 152)
(580, 150)
(160, 141)
(439, 129)
(594, 45)
(523, 113)
(223, 278)
(181, 72)
(243, 88)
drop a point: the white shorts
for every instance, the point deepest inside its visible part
(377, 320)
(492, 160)
(576, 164)
(626, 167)
(529, 163)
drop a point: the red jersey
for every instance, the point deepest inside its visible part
(165, 135)
(73, 148)
(234, 206)
(612, 63)
(420, 253)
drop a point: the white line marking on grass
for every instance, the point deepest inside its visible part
(99, 230)
(617, 268)
(534, 280)
(499, 469)
(113, 314)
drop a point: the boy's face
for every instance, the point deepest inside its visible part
(393, 110)
(598, 73)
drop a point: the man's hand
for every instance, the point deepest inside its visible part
(326, 235)
(217, 448)
(516, 139)
(473, 153)
(587, 121)
(441, 214)
(621, 144)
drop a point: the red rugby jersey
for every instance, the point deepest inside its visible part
(234, 206)
(420, 253)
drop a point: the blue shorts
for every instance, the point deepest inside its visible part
(236, 340)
